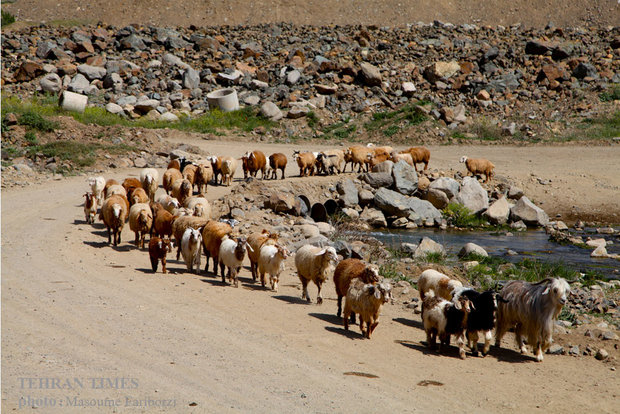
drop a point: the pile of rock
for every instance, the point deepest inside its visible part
(152, 71)
(393, 195)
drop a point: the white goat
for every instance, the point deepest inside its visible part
(231, 255)
(190, 248)
(443, 286)
(149, 177)
(97, 184)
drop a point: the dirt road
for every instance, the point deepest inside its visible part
(78, 316)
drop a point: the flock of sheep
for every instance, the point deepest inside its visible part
(177, 217)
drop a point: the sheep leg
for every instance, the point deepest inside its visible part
(365, 332)
(282, 174)
(460, 342)
(163, 263)
(109, 236)
(339, 306)
(305, 294)
(319, 298)
(222, 268)
(154, 263)
(431, 337)
(500, 331)
(137, 241)
(487, 343)
(274, 282)
(262, 279)
(519, 339)
(353, 318)
(472, 342)
(234, 273)
(345, 319)
(372, 328)
(216, 260)
(178, 250)
(538, 351)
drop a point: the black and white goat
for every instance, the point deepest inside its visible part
(481, 318)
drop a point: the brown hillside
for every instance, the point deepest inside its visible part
(321, 12)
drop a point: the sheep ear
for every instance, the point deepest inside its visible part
(250, 249)
(471, 306)
(457, 305)
(321, 252)
(377, 293)
(546, 290)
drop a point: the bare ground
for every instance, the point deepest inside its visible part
(74, 307)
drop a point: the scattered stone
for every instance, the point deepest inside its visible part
(601, 354)
(472, 248)
(348, 193)
(428, 245)
(51, 83)
(371, 74)
(405, 178)
(473, 196)
(447, 185)
(271, 111)
(556, 349)
(526, 211)
(437, 198)
(498, 212)
(378, 179)
(373, 217)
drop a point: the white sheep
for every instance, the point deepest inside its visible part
(271, 260)
(199, 206)
(149, 177)
(479, 166)
(316, 264)
(366, 300)
(190, 248)
(231, 255)
(443, 286)
(168, 202)
(97, 184)
(229, 165)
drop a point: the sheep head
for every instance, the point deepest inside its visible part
(463, 158)
(559, 288)
(371, 273)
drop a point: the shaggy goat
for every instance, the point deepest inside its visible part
(366, 300)
(97, 184)
(316, 264)
(170, 176)
(532, 307)
(481, 318)
(229, 166)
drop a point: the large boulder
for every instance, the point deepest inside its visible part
(472, 248)
(405, 178)
(51, 83)
(448, 185)
(422, 211)
(191, 79)
(473, 196)
(271, 111)
(428, 245)
(370, 74)
(529, 213)
(348, 193)
(437, 198)
(392, 203)
(498, 212)
(373, 217)
(283, 203)
(92, 72)
(441, 70)
(384, 167)
(378, 180)
(78, 84)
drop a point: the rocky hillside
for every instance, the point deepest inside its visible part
(522, 82)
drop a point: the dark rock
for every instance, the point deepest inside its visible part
(378, 179)
(405, 178)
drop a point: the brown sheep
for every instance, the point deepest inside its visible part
(395, 157)
(114, 214)
(181, 189)
(90, 208)
(216, 165)
(162, 221)
(377, 157)
(277, 162)
(418, 155)
(203, 176)
(212, 234)
(256, 241)
(305, 161)
(158, 249)
(170, 176)
(108, 184)
(174, 164)
(140, 222)
(138, 195)
(357, 155)
(131, 184)
(189, 173)
(350, 269)
(479, 166)
(180, 224)
(256, 162)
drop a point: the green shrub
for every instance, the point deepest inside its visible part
(312, 119)
(460, 216)
(78, 153)
(36, 121)
(611, 94)
(31, 138)
(7, 18)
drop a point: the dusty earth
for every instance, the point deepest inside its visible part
(320, 12)
(76, 310)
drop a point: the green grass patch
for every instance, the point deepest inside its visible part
(485, 129)
(390, 122)
(312, 119)
(339, 130)
(389, 271)
(435, 257)
(397, 253)
(599, 128)
(10, 150)
(35, 121)
(611, 94)
(7, 18)
(245, 119)
(31, 138)
(460, 216)
(77, 153)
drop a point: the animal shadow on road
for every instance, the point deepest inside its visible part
(510, 355)
(351, 334)
(97, 245)
(327, 317)
(293, 300)
(452, 351)
(410, 322)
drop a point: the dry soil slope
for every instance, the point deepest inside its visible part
(321, 12)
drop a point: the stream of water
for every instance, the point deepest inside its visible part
(532, 244)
